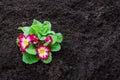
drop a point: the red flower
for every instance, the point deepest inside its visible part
(48, 39)
(24, 42)
(34, 38)
(43, 52)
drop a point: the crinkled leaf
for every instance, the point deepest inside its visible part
(50, 32)
(36, 22)
(29, 59)
(59, 37)
(32, 31)
(37, 27)
(41, 37)
(46, 27)
(25, 30)
(40, 28)
(54, 39)
(55, 47)
(31, 49)
(44, 30)
(47, 24)
(48, 60)
(46, 44)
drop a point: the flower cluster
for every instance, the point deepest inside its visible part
(37, 42)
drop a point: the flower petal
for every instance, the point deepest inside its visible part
(43, 52)
(21, 37)
(23, 45)
(29, 38)
(35, 42)
(44, 57)
(34, 38)
(22, 48)
(48, 39)
(47, 48)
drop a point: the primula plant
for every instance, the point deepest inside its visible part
(38, 41)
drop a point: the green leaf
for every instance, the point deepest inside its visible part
(37, 27)
(29, 59)
(46, 27)
(54, 39)
(31, 49)
(25, 30)
(40, 28)
(51, 33)
(17, 41)
(32, 31)
(36, 22)
(48, 60)
(44, 30)
(55, 47)
(41, 37)
(59, 37)
(47, 24)
(46, 44)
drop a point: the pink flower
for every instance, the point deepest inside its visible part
(24, 42)
(43, 52)
(34, 39)
(48, 39)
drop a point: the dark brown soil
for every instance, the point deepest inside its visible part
(91, 46)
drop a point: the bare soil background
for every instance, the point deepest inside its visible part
(91, 46)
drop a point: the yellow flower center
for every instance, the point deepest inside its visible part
(42, 51)
(25, 42)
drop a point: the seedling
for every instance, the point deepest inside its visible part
(38, 41)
